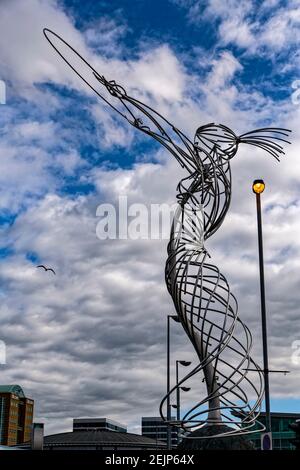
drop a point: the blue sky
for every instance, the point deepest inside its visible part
(62, 154)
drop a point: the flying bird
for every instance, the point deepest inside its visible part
(45, 268)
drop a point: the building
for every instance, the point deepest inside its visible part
(95, 424)
(8, 448)
(155, 428)
(16, 415)
(101, 439)
(281, 433)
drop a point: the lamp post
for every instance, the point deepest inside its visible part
(175, 318)
(258, 187)
(185, 389)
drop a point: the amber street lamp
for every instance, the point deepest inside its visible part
(258, 187)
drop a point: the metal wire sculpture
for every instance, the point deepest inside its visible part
(205, 305)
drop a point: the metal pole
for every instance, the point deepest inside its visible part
(168, 385)
(177, 392)
(263, 314)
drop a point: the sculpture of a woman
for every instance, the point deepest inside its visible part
(204, 303)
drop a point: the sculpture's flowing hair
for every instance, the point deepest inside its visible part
(204, 303)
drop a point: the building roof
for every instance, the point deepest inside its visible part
(274, 414)
(98, 420)
(14, 388)
(279, 414)
(100, 438)
(156, 418)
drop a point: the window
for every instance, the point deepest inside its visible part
(275, 424)
(277, 444)
(285, 424)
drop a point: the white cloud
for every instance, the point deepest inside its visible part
(33, 130)
(30, 59)
(105, 35)
(223, 70)
(26, 56)
(258, 27)
(159, 72)
(285, 23)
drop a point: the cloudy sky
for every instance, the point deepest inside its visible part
(90, 341)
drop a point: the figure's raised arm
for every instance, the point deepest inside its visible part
(134, 111)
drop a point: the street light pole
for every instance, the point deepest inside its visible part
(169, 441)
(258, 187)
(177, 392)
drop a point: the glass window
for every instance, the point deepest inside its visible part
(275, 424)
(285, 424)
(277, 444)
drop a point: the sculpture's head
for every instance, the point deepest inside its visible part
(223, 141)
(219, 138)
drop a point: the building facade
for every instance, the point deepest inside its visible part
(155, 428)
(96, 424)
(16, 415)
(281, 433)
